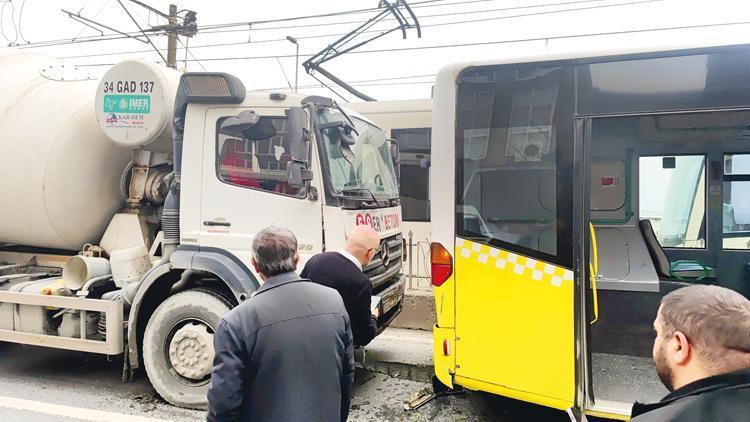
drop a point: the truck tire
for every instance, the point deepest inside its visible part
(178, 346)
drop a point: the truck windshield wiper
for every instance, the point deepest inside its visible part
(351, 122)
(352, 190)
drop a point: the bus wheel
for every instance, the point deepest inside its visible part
(178, 347)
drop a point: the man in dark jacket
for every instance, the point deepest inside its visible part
(702, 355)
(286, 353)
(342, 270)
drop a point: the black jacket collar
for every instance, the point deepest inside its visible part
(730, 380)
(278, 280)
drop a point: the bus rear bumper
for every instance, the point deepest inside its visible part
(443, 354)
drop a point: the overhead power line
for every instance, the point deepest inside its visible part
(378, 81)
(413, 5)
(94, 17)
(630, 3)
(227, 44)
(12, 20)
(432, 47)
(141, 30)
(20, 22)
(187, 51)
(374, 31)
(252, 25)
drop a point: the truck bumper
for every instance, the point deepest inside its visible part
(391, 302)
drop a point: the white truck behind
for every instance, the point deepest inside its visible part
(130, 203)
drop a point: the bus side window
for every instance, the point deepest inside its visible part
(672, 196)
(414, 147)
(736, 199)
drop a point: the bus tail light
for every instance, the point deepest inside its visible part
(441, 264)
(446, 348)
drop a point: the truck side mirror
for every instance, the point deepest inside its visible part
(395, 157)
(297, 175)
(299, 134)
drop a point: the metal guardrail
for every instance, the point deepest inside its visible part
(418, 264)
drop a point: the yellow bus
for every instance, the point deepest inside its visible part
(569, 192)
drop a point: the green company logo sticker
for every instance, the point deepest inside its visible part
(127, 104)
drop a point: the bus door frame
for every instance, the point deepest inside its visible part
(581, 246)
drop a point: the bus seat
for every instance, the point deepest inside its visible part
(682, 269)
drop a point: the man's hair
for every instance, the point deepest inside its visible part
(716, 321)
(274, 249)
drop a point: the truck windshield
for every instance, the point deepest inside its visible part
(367, 170)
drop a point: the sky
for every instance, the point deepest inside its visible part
(444, 22)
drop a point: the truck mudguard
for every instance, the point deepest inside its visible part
(224, 265)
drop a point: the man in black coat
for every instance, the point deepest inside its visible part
(342, 270)
(286, 353)
(702, 355)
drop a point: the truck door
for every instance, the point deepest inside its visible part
(244, 186)
(514, 273)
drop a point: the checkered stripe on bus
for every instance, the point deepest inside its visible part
(508, 261)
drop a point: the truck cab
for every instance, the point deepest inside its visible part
(210, 165)
(346, 179)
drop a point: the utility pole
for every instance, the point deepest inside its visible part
(185, 25)
(174, 28)
(172, 38)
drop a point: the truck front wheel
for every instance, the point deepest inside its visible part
(178, 347)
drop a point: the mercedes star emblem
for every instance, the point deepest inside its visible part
(385, 254)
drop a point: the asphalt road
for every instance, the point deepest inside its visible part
(38, 384)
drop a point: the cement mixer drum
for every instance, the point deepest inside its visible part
(60, 174)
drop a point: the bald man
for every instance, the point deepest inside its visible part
(342, 270)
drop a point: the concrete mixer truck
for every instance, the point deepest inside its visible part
(129, 204)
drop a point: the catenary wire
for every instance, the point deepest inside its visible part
(431, 47)
(249, 25)
(394, 78)
(20, 21)
(187, 51)
(321, 36)
(412, 5)
(12, 19)
(95, 16)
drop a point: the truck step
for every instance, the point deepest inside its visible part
(33, 276)
(13, 266)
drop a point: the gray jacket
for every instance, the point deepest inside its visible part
(720, 398)
(285, 354)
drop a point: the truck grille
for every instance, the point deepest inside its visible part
(380, 269)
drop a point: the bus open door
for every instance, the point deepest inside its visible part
(508, 238)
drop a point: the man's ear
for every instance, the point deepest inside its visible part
(681, 348)
(255, 265)
(296, 261)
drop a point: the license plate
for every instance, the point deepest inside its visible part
(390, 301)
